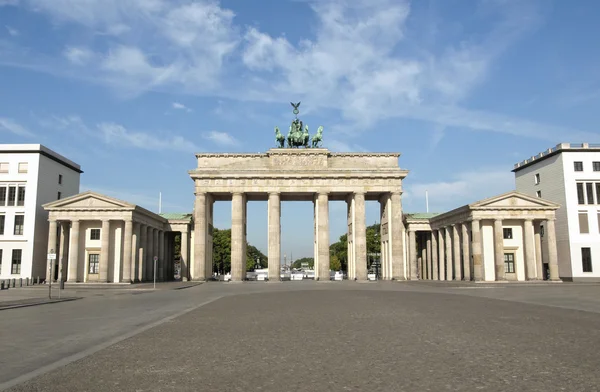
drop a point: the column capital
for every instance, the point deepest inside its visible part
(105, 220)
(199, 194)
(130, 220)
(549, 219)
(274, 193)
(498, 220)
(528, 220)
(359, 192)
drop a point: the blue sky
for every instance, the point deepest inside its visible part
(130, 89)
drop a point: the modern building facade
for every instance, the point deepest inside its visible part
(569, 175)
(30, 175)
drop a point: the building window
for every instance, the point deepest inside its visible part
(19, 222)
(21, 196)
(596, 166)
(508, 233)
(3, 195)
(16, 261)
(23, 167)
(3, 167)
(578, 166)
(58, 196)
(584, 226)
(12, 195)
(536, 178)
(541, 230)
(589, 188)
(597, 193)
(94, 263)
(538, 193)
(60, 179)
(3, 220)
(586, 259)
(95, 234)
(509, 263)
(580, 194)
(0, 260)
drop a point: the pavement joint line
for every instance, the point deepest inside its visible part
(89, 351)
(46, 302)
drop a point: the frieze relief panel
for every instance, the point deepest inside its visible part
(299, 162)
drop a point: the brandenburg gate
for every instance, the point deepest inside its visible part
(291, 174)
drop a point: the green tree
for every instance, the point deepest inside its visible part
(252, 254)
(339, 249)
(309, 260)
(222, 253)
(334, 263)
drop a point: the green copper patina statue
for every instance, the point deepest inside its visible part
(297, 135)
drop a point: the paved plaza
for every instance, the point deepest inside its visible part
(308, 336)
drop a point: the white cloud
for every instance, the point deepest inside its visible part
(116, 134)
(78, 56)
(9, 125)
(8, 2)
(180, 106)
(463, 188)
(221, 138)
(12, 31)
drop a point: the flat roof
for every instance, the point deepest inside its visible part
(559, 148)
(39, 149)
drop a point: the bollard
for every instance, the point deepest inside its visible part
(1, 284)
(37, 280)
(27, 281)
(20, 282)
(14, 281)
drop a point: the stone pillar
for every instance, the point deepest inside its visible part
(149, 253)
(478, 272)
(449, 259)
(412, 254)
(104, 251)
(63, 251)
(538, 253)
(397, 234)
(237, 237)
(360, 236)
(466, 251)
(323, 234)
(456, 243)
(142, 253)
(209, 236)
(73, 274)
(127, 251)
(274, 218)
(552, 251)
(135, 244)
(155, 248)
(52, 248)
(434, 255)
(200, 237)
(429, 258)
(442, 248)
(499, 250)
(528, 244)
(184, 256)
(161, 256)
(350, 237)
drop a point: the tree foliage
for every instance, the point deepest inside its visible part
(334, 263)
(309, 260)
(222, 253)
(339, 250)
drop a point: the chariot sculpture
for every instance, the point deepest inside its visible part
(298, 135)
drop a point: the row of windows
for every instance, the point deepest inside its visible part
(15, 268)
(578, 166)
(5, 166)
(586, 194)
(12, 195)
(18, 227)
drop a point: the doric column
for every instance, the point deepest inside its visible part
(135, 243)
(104, 251)
(237, 237)
(350, 237)
(184, 256)
(360, 236)
(149, 253)
(428, 258)
(200, 237)
(52, 248)
(552, 251)
(528, 244)
(142, 253)
(466, 251)
(412, 254)
(64, 227)
(478, 273)
(442, 248)
(397, 234)
(456, 243)
(127, 251)
(74, 252)
(449, 259)
(538, 252)
(274, 218)
(499, 249)
(161, 255)
(323, 234)
(155, 248)
(434, 254)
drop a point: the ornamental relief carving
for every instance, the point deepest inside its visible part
(294, 161)
(383, 184)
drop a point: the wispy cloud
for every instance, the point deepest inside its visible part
(8, 2)
(9, 125)
(78, 56)
(180, 106)
(221, 138)
(12, 31)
